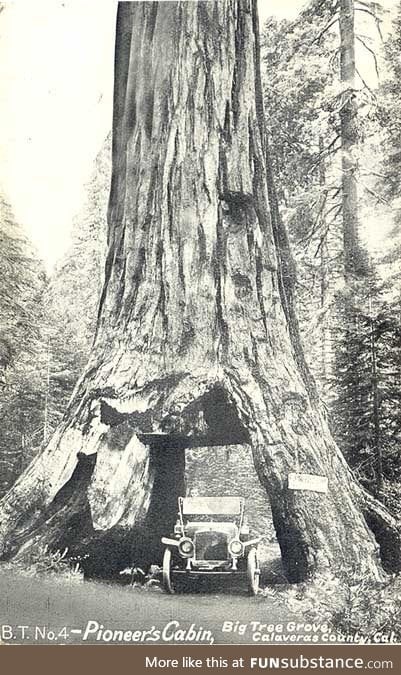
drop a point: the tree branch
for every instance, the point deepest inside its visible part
(365, 84)
(377, 20)
(374, 194)
(326, 151)
(368, 172)
(325, 29)
(358, 37)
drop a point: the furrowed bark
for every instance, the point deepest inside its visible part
(197, 343)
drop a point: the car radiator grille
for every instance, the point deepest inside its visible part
(211, 546)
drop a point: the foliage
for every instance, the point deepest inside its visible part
(368, 324)
(47, 325)
(366, 410)
(371, 610)
(346, 607)
(297, 75)
(22, 283)
(340, 318)
(72, 295)
(41, 560)
(390, 109)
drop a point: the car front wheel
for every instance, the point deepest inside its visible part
(253, 572)
(167, 581)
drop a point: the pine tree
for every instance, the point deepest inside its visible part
(299, 75)
(72, 295)
(390, 109)
(22, 283)
(368, 371)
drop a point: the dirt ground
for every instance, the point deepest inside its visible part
(58, 610)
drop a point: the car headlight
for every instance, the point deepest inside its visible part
(186, 548)
(236, 548)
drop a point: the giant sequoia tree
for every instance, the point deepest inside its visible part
(196, 341)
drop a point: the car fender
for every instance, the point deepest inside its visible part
(169, 542)
(252, 542)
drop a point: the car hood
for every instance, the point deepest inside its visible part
(230, 529)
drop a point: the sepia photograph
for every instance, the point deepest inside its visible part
(200, 323)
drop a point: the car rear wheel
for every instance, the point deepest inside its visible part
(253, 572)
(167, 575)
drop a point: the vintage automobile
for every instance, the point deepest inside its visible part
(210, 539)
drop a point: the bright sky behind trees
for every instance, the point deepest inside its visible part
(56, 75)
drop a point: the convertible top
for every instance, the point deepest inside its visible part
(222, 506)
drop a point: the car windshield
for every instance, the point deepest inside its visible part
(221, 506)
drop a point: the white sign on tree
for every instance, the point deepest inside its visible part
(307, 481)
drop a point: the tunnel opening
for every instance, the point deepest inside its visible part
(204, 451)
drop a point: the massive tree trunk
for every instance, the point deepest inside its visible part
(197, 341)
